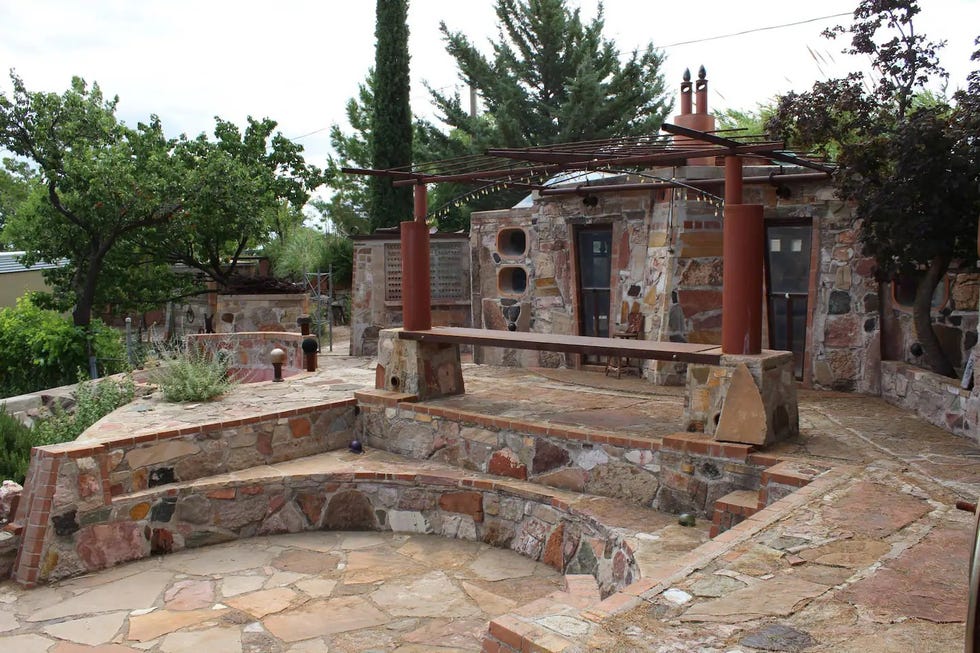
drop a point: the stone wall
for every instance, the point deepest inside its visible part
(375, 293)
(248, 353)
(604, 464)
(73, 488)
(241, 313)
(936, 399)
(677, 473)
(667, 265)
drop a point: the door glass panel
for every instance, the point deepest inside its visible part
(594, 264)
(788, 269)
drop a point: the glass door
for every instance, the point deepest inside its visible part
(594, 267)
(788, 284)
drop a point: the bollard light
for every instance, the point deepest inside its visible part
(278, 357)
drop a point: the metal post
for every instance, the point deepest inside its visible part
(416, 285)
(129, 342)
(330, 306)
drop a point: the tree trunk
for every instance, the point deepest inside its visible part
(933, 355)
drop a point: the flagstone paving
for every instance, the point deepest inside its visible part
(314, 591)
(877, 563)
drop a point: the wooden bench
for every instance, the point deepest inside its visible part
(680, 352)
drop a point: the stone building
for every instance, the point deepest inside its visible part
(579, 262)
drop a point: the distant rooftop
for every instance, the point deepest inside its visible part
(9, 263)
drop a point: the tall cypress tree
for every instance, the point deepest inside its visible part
(391, 125)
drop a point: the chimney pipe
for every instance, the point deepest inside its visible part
(686, 93)
(701, 91)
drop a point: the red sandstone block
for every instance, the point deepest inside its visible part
(612, 440)
(250, 490)
(478, 483)
(222, 493)
(507, 630)
(465, 503)
(618, 602)
(368, 475)
(401, 476)
(431, 479)
(559, 503)
(644, 443)
(763, 459)
(490, 646)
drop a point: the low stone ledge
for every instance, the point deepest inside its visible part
(311, 494)
(937, 399)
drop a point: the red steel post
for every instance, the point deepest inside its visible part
(741, 301)
(416, 289)
(743, 242)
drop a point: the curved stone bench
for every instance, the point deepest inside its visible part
(343, 491)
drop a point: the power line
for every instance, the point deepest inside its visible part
(754, 30)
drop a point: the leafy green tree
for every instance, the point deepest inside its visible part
(42, 349)
(907, 160)
(391, 119)
(552, 78)
(235, 192)
(17, 179)
(122, 204)
(102, 183)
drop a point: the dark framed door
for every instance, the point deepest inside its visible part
(594, 254)
(788, 285)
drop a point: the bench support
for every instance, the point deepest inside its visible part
(772, 371)
(427, 370)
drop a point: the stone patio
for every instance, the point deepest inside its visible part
(870, 557)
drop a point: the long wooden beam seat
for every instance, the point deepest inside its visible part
(682, 352)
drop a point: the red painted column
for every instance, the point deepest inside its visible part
(416, 288)
(743, 239)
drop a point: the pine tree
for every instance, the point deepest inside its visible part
(553, 79)
(391, 125)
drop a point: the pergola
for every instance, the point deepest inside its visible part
(743, 235)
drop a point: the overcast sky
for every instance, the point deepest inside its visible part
(298, 61)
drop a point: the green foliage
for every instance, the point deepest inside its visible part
(553, 78)
(15, 447)
(122, 204)
(40, 349)
(391, 121)
(749, 122)
(908, 161)
(101, 183)
(193, 375)
(235, 190)
(308, 250)
(93, 401)
(17, 180)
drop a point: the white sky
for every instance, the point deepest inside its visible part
(298, 61)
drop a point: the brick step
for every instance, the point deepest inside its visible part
(732, 509)
(510, 632)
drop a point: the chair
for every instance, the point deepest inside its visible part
(634, 327)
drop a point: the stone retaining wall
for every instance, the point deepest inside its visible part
(684, 472)
(166, 519)
(248, 352)
(937, 399)
(579, 460)
(83, 478)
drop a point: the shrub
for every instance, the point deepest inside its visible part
(93, 401)
(15, 447)
(193, 375)
(42, 349)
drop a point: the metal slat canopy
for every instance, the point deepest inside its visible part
(522, 166)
